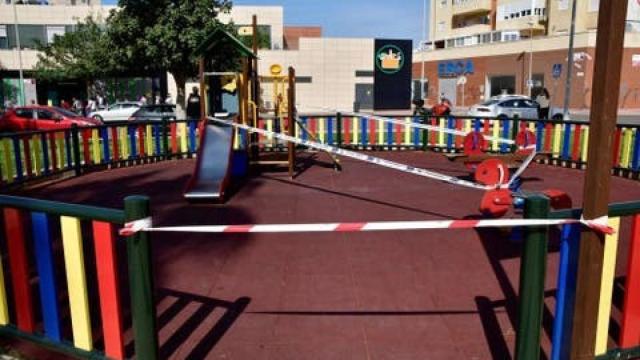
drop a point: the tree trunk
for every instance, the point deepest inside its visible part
(181, 81)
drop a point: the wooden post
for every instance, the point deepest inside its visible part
(291, 102)
(604, 111)
(203, 90)
(244, 92)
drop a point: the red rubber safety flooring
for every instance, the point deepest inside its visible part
(444, 294)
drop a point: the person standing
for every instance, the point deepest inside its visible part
(193, 104)
(543, 100)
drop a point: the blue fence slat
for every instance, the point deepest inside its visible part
(565, 297)
(451, 126)
(304, 121)
(389, 134)
(67, 145)
(192, 136)
(156, 138)
(18, 157)
(506, 134)
(539, 135)
(635, 163)
(364, 134)
(477, 125)
(566, 142)
(132, 142)
(104, 135)
(330, 121)
(45, 152)
(46, 275)
(416, 132)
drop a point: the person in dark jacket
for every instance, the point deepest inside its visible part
(193, 105)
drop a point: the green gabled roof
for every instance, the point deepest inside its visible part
(216, 37)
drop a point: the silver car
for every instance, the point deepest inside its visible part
(506, 106)
(119, 111)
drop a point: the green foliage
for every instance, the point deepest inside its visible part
(82, 54)
(264, 38)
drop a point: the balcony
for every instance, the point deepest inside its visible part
(470, 30)
(524, 24)
(464, 7)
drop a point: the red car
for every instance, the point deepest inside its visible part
(24, 118)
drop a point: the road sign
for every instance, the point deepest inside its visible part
(557, 70)
(462, 80)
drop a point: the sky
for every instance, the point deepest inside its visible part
(352, 18)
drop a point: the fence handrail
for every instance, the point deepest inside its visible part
(84, 212)
(615, 210)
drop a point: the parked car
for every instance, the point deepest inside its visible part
(120, 111)
(35, 117)
(506, 106)
(154, 113)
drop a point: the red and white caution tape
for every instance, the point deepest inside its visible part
(364, 157)
(600, 225)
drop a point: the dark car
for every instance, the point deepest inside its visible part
(23, 118)
(154, 113)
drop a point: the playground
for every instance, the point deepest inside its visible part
(439, 294)
(258, 232)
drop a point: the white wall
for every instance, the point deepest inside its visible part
(267, 15)
(331, 63)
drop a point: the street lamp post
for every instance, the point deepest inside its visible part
(567, 88)
(21, 99)
(422, 48)
(531, 23)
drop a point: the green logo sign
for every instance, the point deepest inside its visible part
(389, 59)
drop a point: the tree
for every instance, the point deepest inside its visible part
(161, 35)
(84, 54)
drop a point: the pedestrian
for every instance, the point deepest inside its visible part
(76, 105)
(142, 100)
(100, 102)
(91, 106)
(193, 105)
(65, 104)
(543, 100)
(443, 108)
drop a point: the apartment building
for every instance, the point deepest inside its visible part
(518, 46)
(41, 21)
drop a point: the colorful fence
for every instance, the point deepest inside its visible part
(622, 216)
(565, 141)
(38, 237)
(32, 155)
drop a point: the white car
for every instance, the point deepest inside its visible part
(506, 106)
(120, 111)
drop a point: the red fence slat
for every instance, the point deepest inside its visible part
(630, 329)
(14, 228)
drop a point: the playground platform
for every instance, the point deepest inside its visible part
(443, 294)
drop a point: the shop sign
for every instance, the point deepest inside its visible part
(455, 68)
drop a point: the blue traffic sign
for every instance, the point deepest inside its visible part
(557, 70)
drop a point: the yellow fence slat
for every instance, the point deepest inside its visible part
(7, 161)
(322, 132)
(606, 287)
(182, 132)
(356, 130)
(557, 139)
(76, 282)
(626, 148)
(149, 140)
(4, 312)
(585, 144)
(95, 146)
(468, 125)
(407, 132)
(443, 125)
(381, 126)
(496, 134)
(37, 151)
(270, 128)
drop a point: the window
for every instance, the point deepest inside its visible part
(44, 114)
(24, 113)
(53, 31)
(4, 39)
